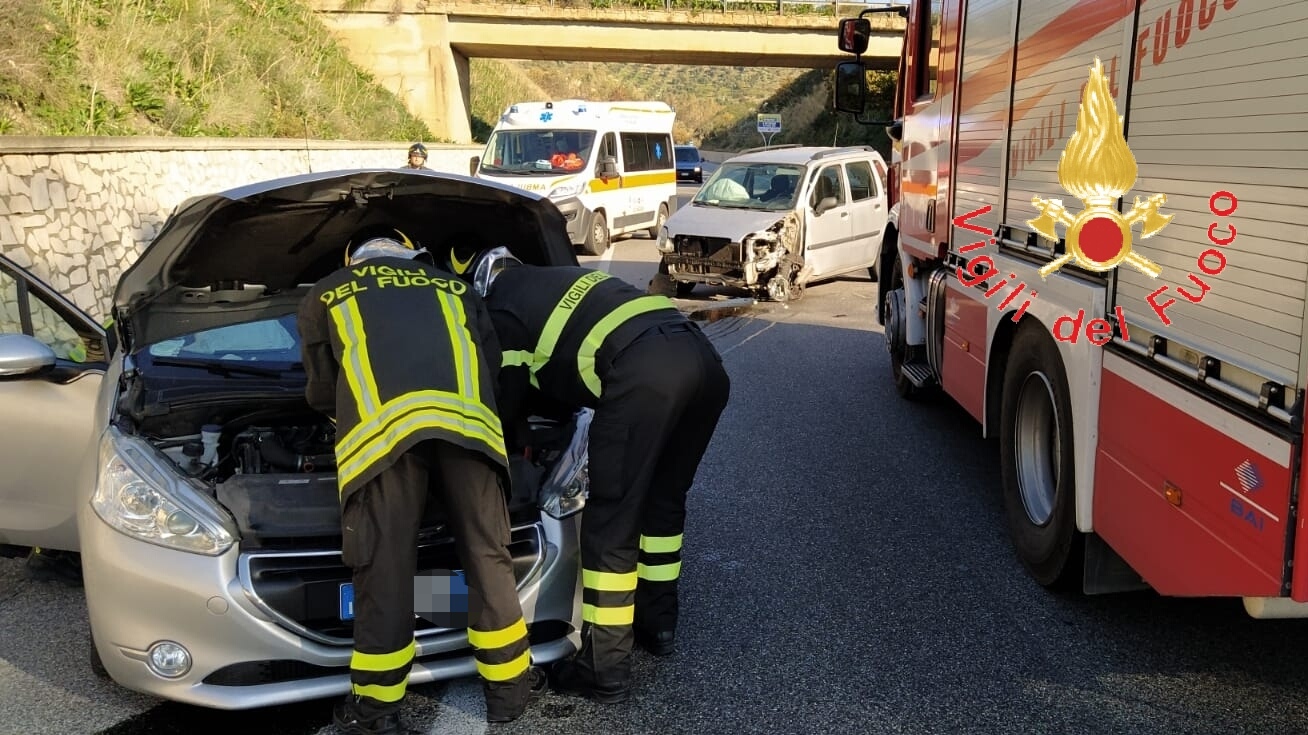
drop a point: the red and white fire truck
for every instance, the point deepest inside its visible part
(1150, 416)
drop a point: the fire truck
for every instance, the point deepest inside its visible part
(1098, 250)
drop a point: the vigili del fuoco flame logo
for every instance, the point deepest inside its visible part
(1097, 167)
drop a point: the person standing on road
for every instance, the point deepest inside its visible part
(417, 157)
(658, 388)
(403, 358)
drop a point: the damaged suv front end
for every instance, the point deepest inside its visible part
(741, 230)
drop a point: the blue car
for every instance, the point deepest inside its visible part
(689, 164)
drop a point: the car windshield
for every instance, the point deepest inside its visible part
(537, 152)
(272, 341)
(687, 155)
(767, 186)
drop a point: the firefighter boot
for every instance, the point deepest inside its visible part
(659, 643)
(577, 677)
(506, 701)
(356, 716)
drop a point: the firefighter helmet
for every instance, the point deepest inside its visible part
(382, 243)
(480, 267)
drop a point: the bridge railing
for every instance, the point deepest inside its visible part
(781, 7)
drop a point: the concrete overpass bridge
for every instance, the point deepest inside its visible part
(419, 49)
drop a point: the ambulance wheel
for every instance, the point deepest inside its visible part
(597, 240)
(659, 221)
(1037, 460)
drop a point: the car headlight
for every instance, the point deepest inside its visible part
(664, 240)
(138, 495)
(567, 190)
(565, 489)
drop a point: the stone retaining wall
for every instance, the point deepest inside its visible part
(78, 211)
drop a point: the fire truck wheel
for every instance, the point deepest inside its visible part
(1037, 460)
(894, 334)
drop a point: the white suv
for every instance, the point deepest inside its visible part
(775, 219)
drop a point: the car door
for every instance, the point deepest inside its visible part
(48, 415)
(867, 208)
(828, 234)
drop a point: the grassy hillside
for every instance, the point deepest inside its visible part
(269, 68)
(255, 68)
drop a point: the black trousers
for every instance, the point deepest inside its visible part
(380, 521)
(659, 407)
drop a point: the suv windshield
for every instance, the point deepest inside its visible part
(687, 155)
(274, 341)
(768, 186)
(537, 152)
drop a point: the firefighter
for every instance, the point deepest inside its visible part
(417, 157)
(402, 357)
(658, 387)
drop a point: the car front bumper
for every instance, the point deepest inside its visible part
(578, 218)
(245, 653)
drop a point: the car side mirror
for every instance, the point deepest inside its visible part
(24, 355)
(473, 163)
(827, 203)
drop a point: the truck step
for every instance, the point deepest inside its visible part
(919, 374)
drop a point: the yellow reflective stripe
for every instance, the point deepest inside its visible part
(379, 692)
(598, 333)
(368, 426)
(465, 357)
(608, 615)
(498, 638)
(661, 544)
(506, 671)
(659, 572)
(358, 367)
(608, 581)
(567, 306)
(383, 661)
(420, 419)
(515, 358)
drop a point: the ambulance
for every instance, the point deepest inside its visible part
(609, 167)
(1097, 249)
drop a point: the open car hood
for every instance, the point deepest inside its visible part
(252, 252)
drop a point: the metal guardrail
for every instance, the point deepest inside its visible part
(780, 7)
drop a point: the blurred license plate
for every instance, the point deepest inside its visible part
(441, 595)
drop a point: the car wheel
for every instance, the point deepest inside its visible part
(1037, 460)
(597, 240)
(659, 221)
(896, 343)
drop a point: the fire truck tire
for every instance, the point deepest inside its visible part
(1037, 460)
(903, 385)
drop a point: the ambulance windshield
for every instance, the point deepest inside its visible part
(537, 152)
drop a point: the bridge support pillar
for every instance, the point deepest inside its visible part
(410, 55)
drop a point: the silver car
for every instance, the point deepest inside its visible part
(177, 453)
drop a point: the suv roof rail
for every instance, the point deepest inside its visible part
(770, 148)
(842, 150)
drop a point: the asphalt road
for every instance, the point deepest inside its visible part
(847, 570)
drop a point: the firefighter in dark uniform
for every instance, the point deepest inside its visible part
(402, 356)
(658, 387)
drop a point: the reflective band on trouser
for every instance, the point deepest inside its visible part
(381, 676)
(502, 655)
(605, 326)
(661, 544)
(660, 558)
(659, 572)
(608, 598)
(355, 361)
(567, 306)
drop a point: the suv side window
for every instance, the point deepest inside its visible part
(830, 183)
(862, 184)
(25, 312)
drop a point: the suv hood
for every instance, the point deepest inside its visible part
(733, 224)
(252, 252)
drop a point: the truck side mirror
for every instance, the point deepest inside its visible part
(608, 168)
(895, 130)
(851, 87)
(473, 163)
(854, 35)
